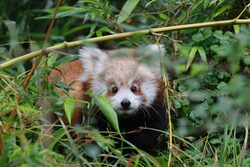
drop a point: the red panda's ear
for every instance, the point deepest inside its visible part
(92, 60)
(152, 56)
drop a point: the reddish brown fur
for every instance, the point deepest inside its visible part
(69, 73)
(160, 91)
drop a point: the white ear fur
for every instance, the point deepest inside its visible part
(154, 49)
(92, 60)
(152, 56)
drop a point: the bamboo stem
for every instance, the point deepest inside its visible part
(121, 35)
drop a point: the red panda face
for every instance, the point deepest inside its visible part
(128, 84)
(125, 101)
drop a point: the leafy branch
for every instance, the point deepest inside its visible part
(121, 35)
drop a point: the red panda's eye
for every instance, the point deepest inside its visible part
(114, 89)
(133, 89)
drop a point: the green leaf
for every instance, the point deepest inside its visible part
(69, 105)
(198, 68)
(63, 12)
(52, 59)
(180, 68)
(236, 29)
(127, 8)
(197, 37)
(103, 29)
(57, 135)
(106, 108)
(222, 86)
(149, 3)
(221, 10)
(177, 104)
(202, 54)
(246, 60)
(163, 16)
(191, 56)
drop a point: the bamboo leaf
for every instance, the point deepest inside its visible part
(202, 54)
(191, 56)
(236, 28)
(149, 3)
(127, 8)
(221, 10)
(106, 108)
(69, 105)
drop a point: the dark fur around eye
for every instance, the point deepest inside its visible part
(133, 89)
(114, 89)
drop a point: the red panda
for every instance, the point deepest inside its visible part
(135, 90)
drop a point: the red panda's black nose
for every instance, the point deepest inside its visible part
(125, 103)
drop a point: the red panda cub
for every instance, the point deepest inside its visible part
(134, 90)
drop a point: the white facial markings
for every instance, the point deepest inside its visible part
(149, 90)
(122, 94)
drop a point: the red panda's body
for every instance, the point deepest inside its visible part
(134, 90)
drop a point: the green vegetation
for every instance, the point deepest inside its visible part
(209, 117)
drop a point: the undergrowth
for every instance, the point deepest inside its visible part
(209, 99)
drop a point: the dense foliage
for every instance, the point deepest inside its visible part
(209, 99)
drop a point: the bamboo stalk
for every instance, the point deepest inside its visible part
(121, 35)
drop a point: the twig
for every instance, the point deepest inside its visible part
(244, 147)
(121, 35)
(1, 138)
(243, 11)
(167, 103)
(216, 158)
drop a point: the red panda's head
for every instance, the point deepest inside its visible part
(128, 84)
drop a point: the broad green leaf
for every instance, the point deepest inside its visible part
(222, 86)
(69, 105)
(202, 54)
(221, 10)
(191, 56)
(98, 33)
(198, 68)
(180, 68)
(236, 29)
(163, 16)
(246, 60)
(219, 35)
(197, 37)
(184, 50)
(127, 8)
(103, 29)
(52, 59)
(177, 104)
(106, 108)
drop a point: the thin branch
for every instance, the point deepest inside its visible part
(243, 11)
(122, 35)
(1, 138)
